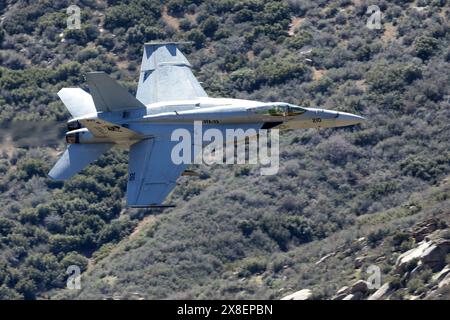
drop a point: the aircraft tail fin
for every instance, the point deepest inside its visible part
(77, 101)
(166, 75)
(108, 95)
(76, 158)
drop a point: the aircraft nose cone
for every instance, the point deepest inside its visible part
(348, 119)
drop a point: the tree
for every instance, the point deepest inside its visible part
(27, 288)
(210, 26)
(7, 293)
(74, 258)
(299, 40)
(31, 167)
(175, 7)
(425, 47)
(197, 37)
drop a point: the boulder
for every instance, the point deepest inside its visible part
(359, 286)
(441, 274)
(380, 293)
(359, 262)
(354, 296)
(430, 253)
(339, 296)
(304, 294)
(445, 282)
(418, 297)
(425, 228)
(321, 260)
(342, 290)
(341, 293)
(434, 256)
(410, 255)
(417, 270)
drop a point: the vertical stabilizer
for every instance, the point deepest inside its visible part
(166, 75)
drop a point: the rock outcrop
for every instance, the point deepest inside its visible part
(421, 230)
(341, 293)
(409, 273)
(380, 293)
(445, 282)
(359, 262)
(324, 258)
(359, 286)
(356, 291)
(431, 253)
(304, 294)
(441, 274)
(354, 296)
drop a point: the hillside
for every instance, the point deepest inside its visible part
(193, 266)
(234, 233)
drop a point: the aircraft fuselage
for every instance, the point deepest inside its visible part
(216, 111)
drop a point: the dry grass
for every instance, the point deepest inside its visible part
(7, 146)
(169, 20)
(251, 56)
(318, 74)
(295, 23)
(361, 84)
(146, 221)
(390, 32)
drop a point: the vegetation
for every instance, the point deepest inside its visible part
(234, 233)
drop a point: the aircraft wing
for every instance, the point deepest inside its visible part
(152, 174)
(166, 75)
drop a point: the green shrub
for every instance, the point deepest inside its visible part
(425, 46)
(252, 266)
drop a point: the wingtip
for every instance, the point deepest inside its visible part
(151, 206)
(49, 175)
(54, 176)
(61, 91)
(162, 43)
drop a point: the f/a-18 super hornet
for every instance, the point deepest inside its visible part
(168, 97)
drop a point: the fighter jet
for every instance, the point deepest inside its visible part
(168, 97)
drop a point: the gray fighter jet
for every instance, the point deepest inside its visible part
(168, 97)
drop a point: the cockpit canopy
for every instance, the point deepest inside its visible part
(280, 110)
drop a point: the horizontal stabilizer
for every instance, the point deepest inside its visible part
(108, 95)
(76, 158)
(104, 129)
(77, 101)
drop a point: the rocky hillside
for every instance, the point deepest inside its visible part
(408, 244)
(233, 233)
(422, 272)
